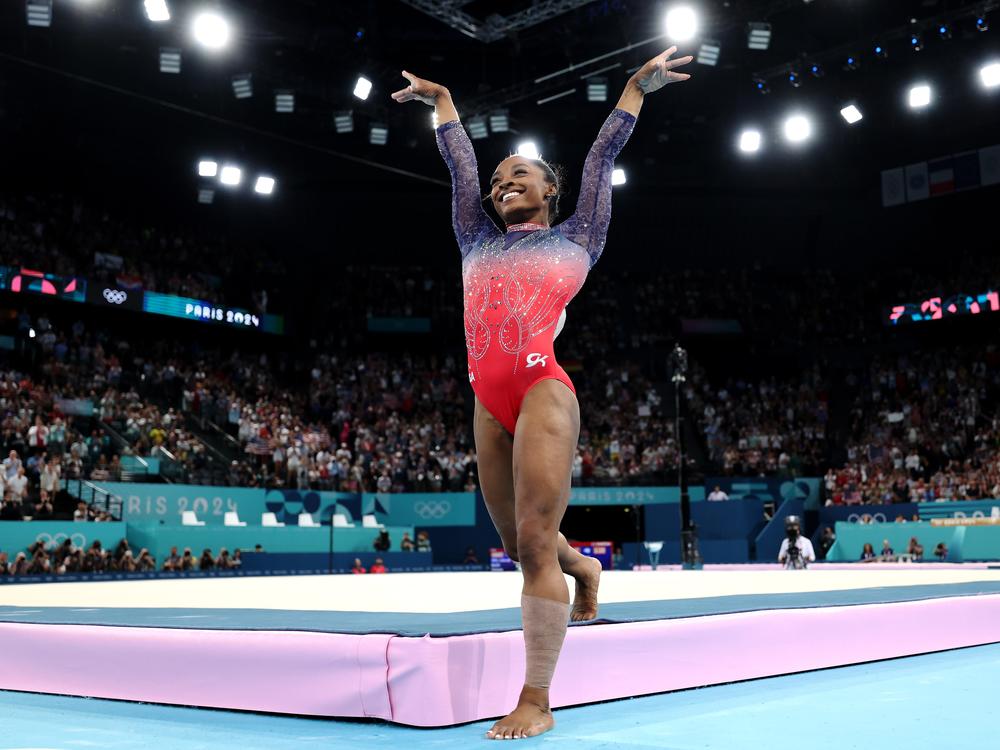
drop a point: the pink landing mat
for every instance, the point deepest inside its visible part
(440, 681)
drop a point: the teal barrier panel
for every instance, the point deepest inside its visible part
(980, 542)
(17, 536)
(769, 489)
(631, 495)
(959, 509)
(158, 539)
(851, 538)
(165, 502)
(422, 508)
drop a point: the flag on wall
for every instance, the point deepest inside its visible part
(989, 165)
(941, 176)
(893, 187)
(916, 182)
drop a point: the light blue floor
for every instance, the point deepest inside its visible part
(944, 700)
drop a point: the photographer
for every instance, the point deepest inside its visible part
(796, 550)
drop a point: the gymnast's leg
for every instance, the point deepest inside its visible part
(544, 444)
(495, 457)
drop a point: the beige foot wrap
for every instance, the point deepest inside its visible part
(544, 622)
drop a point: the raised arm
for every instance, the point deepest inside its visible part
(470, 221)
(588, 226)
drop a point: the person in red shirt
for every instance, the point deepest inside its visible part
(359, 568)
(378, 567)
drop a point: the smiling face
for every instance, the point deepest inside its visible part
(519, 191)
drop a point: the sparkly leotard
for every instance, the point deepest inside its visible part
(517, 284)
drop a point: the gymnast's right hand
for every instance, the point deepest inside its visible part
(419, 90)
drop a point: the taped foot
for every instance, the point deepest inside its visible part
(587, 583)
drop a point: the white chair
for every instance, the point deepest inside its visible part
(188, 518)
(340, 521)
(306, 521)
(233, 519)
(369, 522)
(270, 520)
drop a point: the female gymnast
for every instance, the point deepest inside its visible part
(517, 284)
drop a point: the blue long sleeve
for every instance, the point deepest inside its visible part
(470, 221)
(588, 226)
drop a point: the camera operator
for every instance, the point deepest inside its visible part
(796, 550)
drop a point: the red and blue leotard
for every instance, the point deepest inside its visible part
(517, 284)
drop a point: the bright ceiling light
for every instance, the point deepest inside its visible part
(211, 30)
(207, 168)
(618, 177)
(797, 128)
(362, 88)
(682, 24)
(157, 11)
(851, 113)
(750, 141)
(264, 185)
(527, 149)
(920, 96)
(230, 175)
(990, 75)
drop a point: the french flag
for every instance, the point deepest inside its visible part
(941, 176)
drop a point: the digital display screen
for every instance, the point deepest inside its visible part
(106, 295)
(28, 281)
(939, 308)
(206, 312)
(499, 560)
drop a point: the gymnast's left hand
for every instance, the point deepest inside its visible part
(659, 71)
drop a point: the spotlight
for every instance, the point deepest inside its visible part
(264, 185)
(343, 122)
(990, 75)
(362, 88)
(797, 128)
(618, 176)
(880, 51)
(243, 85)
(982, 23)
(682, 24)
(750, 141)
(708, 52)
(211, 30)
(378, 134)
(157, 11)
(170, 60)
(761, 85)
(499, 121)
(206, 195)
(477, 127)
(39, 13)
(759, 35)
(851, 114)
(795, 79)
(207, 168)
(944, 31)
(230, 175)
(852, 63)
(527, 149)
(284, 101)
(597, 89)
(817, 70)
(916, 42)
(920, 96)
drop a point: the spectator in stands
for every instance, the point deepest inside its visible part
(207, 562)
(358, 568)
(172, 561)
(826, 541)
(915, 549)
(237, 560)
(4, 564)
(11, 511)
(717, 495)
(43, 508)
(406, 544)
(17, 486)
(382, 542)
(145, 562)
(224, 561)
(887, 554)
(378, 566)
(423, 542)
(82, 512)
(941, 551)
(187, 560)
(471, 558)
(10, 465)
(868, 553)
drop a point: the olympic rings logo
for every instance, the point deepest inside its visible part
(427, 509)
(50, 541)
(877, 518)
(115, 296)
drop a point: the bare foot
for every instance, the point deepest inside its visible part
(531, 717)
(585, 600)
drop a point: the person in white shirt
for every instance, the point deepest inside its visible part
(18, 485)
(717, 495)
(796, 550)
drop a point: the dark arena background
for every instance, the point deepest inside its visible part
(233, 372)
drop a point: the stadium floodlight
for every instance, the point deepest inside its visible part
(916, 42)
(982, 22)
(284, 101)
(817, 70)
(210, 30)
(230, 175)
(944, 31)
(852, 62)
(920, 96)
(264, 185)
(750, 141)
(243, 85)
(851, 114)
(378, 133)
(597, 89)
(794, 78)
(499, 121)
(157, 11)
(39, 13)
(362, 88)
(990, 75)
(880, 50)
(208, 168)
(797, 128)
(708, 52)
(527, 149)
(618, 176)
(343, 121)
(761, 85)
(758, 35)
(170, 60)
(206, 195)
(477, 127)
(681, 23)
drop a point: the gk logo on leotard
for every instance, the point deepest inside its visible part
(536, 359)
(472, 377)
